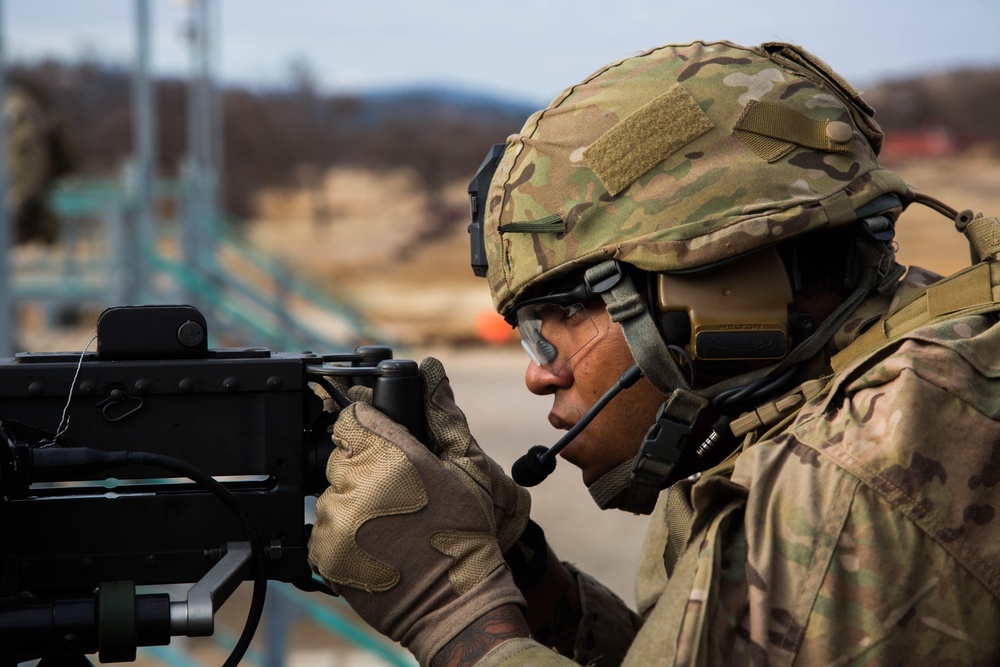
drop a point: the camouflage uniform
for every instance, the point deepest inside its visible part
(860, 530)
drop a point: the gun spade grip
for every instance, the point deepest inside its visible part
(399, 394)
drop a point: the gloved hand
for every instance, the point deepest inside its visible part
(407, 539)
(448, 430)
(452, 441)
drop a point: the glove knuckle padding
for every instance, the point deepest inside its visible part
(406, 538)
(475, 556)
(362, 467)
(449, 431)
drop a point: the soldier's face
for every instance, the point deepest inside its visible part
(616, 433)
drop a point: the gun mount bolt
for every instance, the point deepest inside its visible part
(36, 389)
(186, 384)
(142, 386)
(274, 382)
(230, 384)
(190, 334)
(149, 561)
(87, 387)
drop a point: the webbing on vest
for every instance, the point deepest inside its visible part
(972, 291)
(983, 234)
(680, 517)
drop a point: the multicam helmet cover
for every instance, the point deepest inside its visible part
(679, 159)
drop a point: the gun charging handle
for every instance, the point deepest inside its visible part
(398, 393)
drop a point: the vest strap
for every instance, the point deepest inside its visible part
(972, 291)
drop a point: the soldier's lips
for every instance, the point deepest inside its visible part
(569, 452)
(559, 423)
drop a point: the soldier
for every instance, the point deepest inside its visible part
(815, 434)
(37, 153)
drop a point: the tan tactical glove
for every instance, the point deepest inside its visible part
(407, 539)
(451, 440)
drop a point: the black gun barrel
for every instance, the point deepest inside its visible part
(32, 628)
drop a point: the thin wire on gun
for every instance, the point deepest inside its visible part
(64, 420)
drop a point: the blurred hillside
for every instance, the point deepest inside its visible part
(277, 137)
(962, 102)
(289, 136)
(366, 194)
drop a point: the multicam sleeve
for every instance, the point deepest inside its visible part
(893, 594)
(914, 576)
(607, 625)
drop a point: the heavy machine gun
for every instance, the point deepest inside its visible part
(157, 461)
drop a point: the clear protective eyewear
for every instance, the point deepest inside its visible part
(553, 333)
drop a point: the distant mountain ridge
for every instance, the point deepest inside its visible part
(272, 136)
(437, 96)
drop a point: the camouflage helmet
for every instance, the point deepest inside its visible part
(680, 159)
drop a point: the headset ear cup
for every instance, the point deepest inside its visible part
(675, 325)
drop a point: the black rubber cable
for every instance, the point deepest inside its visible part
(198, 476)
(95, 459)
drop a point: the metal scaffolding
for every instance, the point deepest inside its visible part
(7, 315)
(275, 308)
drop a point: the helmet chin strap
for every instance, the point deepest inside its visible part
(628, 308)
(634, 485)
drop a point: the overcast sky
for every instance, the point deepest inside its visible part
(525, 49)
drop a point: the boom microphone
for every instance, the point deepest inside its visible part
(532, 468)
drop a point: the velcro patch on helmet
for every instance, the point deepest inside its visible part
(645, 138)
(772, 131)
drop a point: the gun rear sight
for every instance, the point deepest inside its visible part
(82, 511)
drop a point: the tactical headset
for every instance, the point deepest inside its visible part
(738, 312)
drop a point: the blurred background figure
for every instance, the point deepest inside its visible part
(38, 152)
